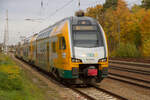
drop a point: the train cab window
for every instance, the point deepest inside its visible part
(54, 46)
(62, 43)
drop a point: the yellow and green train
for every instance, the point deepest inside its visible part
(74, 49)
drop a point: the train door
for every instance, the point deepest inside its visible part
(47, 55)
(36, 52)
(50, 55)
(53, 54)
(62, 49)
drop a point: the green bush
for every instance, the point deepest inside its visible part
(14, 85)
(10, 83)
(10, 74)
(127, 50)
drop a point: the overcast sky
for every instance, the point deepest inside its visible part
(19, 10)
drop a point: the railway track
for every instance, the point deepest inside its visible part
(143, 72)
(130, 80)
(139, 80)
(111, 93)
(115, 65)
(137, 64)
(96, 93)
(106, 95)
(82, 93)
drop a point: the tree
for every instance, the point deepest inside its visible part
(110, 4)
(146, 4)
(145, 33)
(122, 18)
(134, 26)
(110, 29)
(115, 23)
(95, 12)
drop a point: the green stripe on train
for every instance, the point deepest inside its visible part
(66, 74)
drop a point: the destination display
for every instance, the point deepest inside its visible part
(84, 27)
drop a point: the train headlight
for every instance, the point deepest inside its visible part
(76, 60)
(102, 60)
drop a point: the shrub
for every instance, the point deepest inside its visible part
(127, 50)
(14, 84)
(146, 48)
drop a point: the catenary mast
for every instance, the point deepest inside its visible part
(6, 35)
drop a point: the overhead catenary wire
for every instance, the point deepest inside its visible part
(51, 14)
(59, 9)
(79, 6)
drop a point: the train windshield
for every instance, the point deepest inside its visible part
(87, 38)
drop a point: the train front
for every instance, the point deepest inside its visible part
(89, 50)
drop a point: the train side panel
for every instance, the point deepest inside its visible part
(62, 56)
(41, 54)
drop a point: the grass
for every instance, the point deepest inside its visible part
(16, 85)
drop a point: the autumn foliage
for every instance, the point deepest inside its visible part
(145, 34)
(127, 28)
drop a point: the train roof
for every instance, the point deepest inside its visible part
(44, 34)
(73, 20)
(29, 39)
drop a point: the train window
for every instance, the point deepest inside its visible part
(83, 22)
(54, 46)
(59, 43)
(62, 43)
(87, 39)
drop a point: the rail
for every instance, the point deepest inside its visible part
(131, 63)
(129, 82)
(130, 70)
